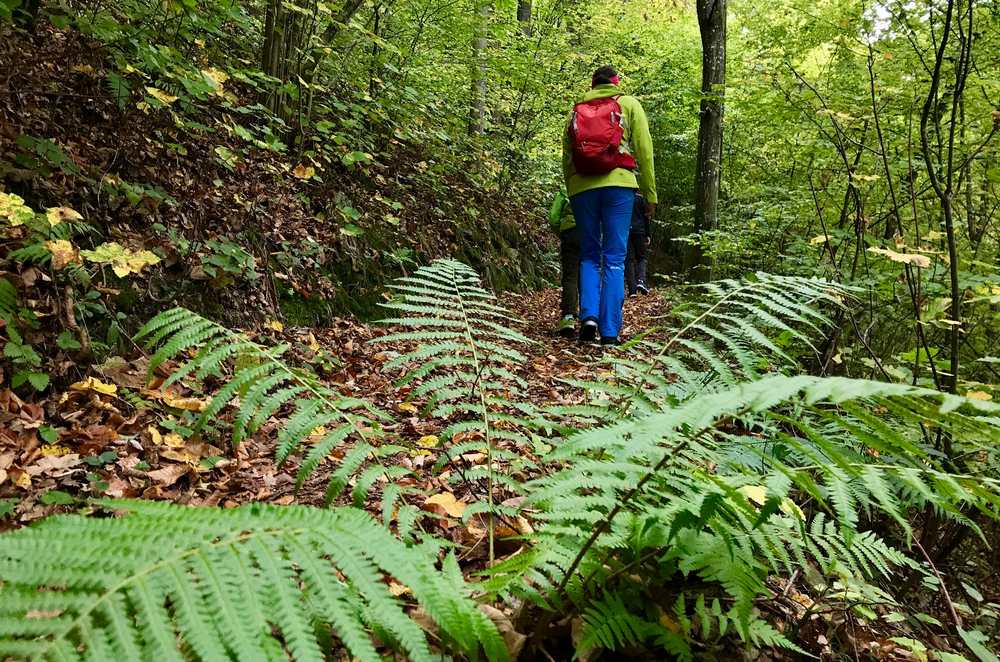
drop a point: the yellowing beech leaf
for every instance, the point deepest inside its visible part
(398, 589)
(189, 404)
(54, 449)
(933, 235)
(978, 395)
(819, 239)
(215, 77)
(408, 407)
(63, 253)
(755, 493)
(154, 435)
(57, 215)
(173, 440)
(303, 171)
(122, 260)
(276, 325)
(160, 95)
(916, 260)
(446, 502)
(96, 385)
(428, 441)
(12, 207)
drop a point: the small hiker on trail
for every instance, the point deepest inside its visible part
(607, 155)
(562, 223)
(638, 247)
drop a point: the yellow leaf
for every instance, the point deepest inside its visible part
(174, 440)
(13, 208)
(122, 260)
(93, 384)
(54, 449)
(934, 235)
(446, 501)
(160, 95)
(755, 493)
(408, 407)
(398, 589)
(57, 215)
(83, 68)
(154, 435)
(23, 481)
(428, 441)
(63, 253)
(978, 395)
(188, 404)
(916, 260)
(313, 345)
(215, 77)
(303, 171)
(276, 325)
(819, 239)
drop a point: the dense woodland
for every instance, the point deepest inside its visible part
(279, 377)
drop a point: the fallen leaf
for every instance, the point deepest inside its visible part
(57, 215)
(398, 589)
(160, 95)
(94, 384)
(978, 395)
(54, 449)
(188, 404)
(303, 171)
(446, 504)
(275, 325)
(169, 474)
(819, 239)
(54, 465)
(408, 407)
(63, 253)
(428, 441)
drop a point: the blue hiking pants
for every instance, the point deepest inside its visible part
(603, 216)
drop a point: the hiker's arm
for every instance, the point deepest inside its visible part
(642, 149)
(567, 152)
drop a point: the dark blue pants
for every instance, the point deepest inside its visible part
(603, 216)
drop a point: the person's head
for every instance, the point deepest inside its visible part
(604, 76)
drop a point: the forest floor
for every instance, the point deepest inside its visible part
(109, 435)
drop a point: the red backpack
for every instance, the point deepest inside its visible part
(596, 131)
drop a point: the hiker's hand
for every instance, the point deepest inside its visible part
(650, 210)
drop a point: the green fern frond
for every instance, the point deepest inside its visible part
(256, 582)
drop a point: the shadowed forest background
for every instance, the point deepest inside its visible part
(289, 264)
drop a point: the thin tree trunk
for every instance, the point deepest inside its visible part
(524, 15)
(708, 176)
(477, 106)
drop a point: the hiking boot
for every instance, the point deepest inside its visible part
(588, 330)
(641, 287)
(567, 326)
(610, 341)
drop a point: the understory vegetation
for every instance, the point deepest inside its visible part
(278, 376)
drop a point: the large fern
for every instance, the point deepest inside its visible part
(259, 582)
(709, 488)
(718, 335)
(463, 362)
(262, 385)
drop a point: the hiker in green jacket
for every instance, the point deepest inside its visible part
(562, 223)
(607, 156)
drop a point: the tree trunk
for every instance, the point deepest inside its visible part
(708, 176)
(477, 106)
(524, 15)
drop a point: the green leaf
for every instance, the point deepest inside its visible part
(67, 340)
(56, 498)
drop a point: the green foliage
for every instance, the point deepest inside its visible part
(252, 583)
(463, 363)
(266, 386)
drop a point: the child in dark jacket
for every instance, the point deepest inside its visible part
(562, 222)
(638, 243)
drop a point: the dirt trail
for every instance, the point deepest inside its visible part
(112, 436)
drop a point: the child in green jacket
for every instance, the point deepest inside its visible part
(562, 223)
